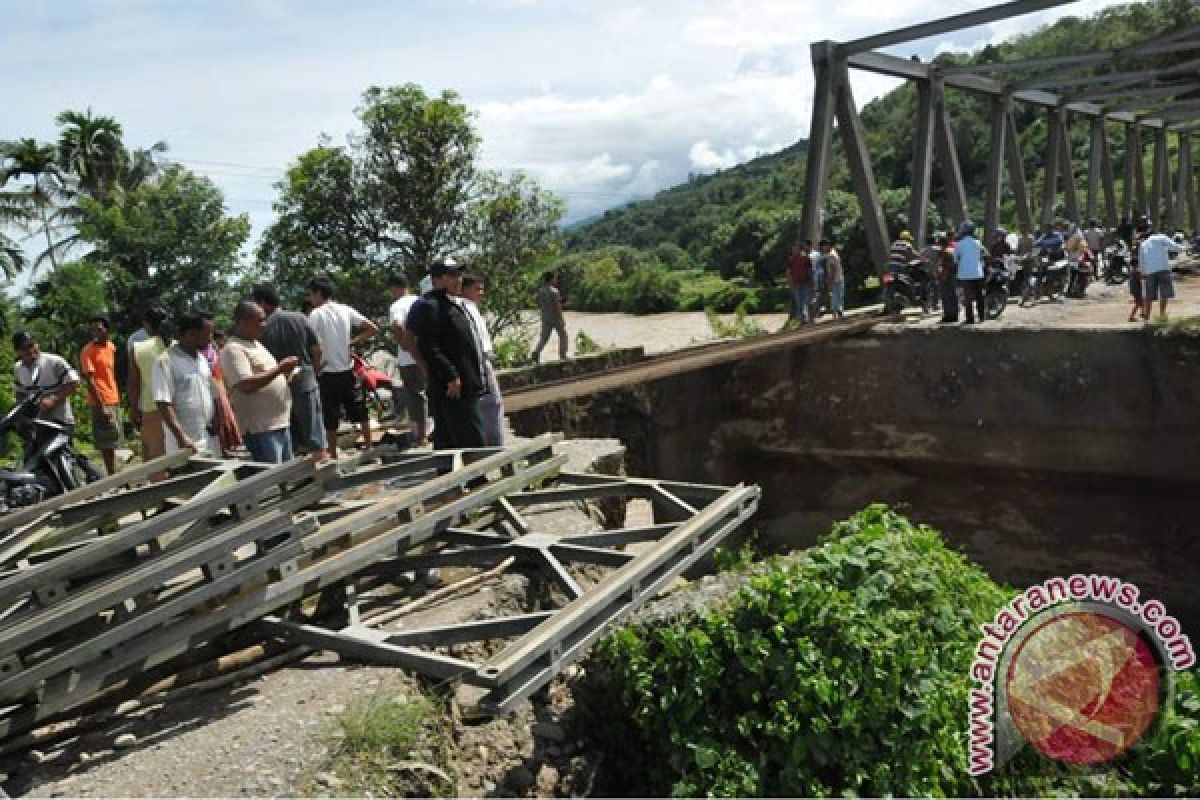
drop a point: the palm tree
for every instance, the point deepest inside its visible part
(14, 212)
(90, 148)
(30, 158)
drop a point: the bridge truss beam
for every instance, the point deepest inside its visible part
(1044, 82)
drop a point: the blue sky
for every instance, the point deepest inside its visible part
(601, 101)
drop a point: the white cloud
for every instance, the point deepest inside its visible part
(602, 100)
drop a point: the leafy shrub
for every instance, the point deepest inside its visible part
(649, 290)
(742, 326)
(843, 671)
(513, 350)
(585, 345)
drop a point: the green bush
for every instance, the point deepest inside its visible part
(649, 290)
(840, 672)
(585, 345)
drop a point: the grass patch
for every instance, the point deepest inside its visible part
(395, 743)
(1179, 326)
(742, 326)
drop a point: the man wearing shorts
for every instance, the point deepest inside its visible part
(289, 334)
(98, 366)
(1154, 260)
(335, 325)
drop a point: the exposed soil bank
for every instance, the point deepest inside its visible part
(1039, 451)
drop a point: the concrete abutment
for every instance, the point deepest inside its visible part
(1039, 452)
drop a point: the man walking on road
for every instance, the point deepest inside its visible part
(258, 386)
(335, 325)
(289, 334)
(1154, 260)
(98, 365)
(551, 309)
(412, 374)
(453, 357)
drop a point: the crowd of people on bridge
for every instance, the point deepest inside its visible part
(958, 261)
(279, 382)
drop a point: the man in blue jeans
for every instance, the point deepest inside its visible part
(968, 255)
(258, 387)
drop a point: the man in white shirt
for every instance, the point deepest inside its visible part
(491, 405)
(336, 325)
(1154, 260)
(184, 389)
(412, 374)
(38, 370)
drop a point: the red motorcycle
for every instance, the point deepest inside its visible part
(376, 386)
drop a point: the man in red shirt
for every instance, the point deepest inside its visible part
(800, 279)
(97, 364)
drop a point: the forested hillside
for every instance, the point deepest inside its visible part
(723, 238)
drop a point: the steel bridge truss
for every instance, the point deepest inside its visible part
(1150, 102)
(117, 581)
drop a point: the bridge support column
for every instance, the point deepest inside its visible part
(1053, 147)
(858, 158)
(820, 141)
(1106, 168)
(1187, 183)
(922, 164)
(995, 174)
(1016, 172)
(1094, 168)
(947, 155)
(1158, 181)
(1066, 167)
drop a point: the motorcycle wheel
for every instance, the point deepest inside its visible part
(1028, 295)
(994, 302)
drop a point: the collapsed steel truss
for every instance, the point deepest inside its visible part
(1143, 97)
(103, 585)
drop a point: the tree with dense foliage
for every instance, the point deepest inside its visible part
(418, 154)
(404, 192)
(512, 230)
(169, 239)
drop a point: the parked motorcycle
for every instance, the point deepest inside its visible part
(1116, 263)
(995, 287)
(51, 465)
(1079, 276)
(376, 386)
(1045, 277)
(908, 286)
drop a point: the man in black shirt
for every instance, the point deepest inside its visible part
(453, 357)
(288, 334)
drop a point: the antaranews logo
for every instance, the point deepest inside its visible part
(1077, 667)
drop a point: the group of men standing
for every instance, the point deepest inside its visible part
(282, 380)
(809, 272)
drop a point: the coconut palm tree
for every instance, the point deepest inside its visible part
(14, 212)
(90, 149)
(29, 158)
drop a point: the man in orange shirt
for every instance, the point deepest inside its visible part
(97, 364)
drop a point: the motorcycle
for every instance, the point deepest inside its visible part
(1045, 277)
(1080, 275)
(906, 286)
(1116, 263)
(52, 465)
(995, 287)
(376, 386)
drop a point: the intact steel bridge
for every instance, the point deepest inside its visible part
(1128, 86)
